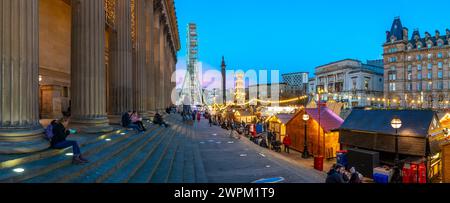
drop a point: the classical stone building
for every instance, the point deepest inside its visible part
(350, 81)
(94, 58)
(417, 68)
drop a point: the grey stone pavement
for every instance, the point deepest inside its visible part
(231, 160)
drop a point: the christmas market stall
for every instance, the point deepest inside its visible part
(277, 124)
(244, 116)
(322, 138)
(409, 139)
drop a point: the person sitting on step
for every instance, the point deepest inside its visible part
(158, 120)
(127, 123)
(137, 121)
(59, 141)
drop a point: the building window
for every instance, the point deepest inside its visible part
(419, 67)
(419, 46)
(410, 67)
(354, 83)
(419, 57)
(419, 86)
(409, 87)
(439, 55)
(366, 84)
(430, 66)
(430, 56)
(409, 76)
(429, 45)
(430, 75)
(440, 65)
(409, 58)
(393, 59)
(392, 86)
(440, 44)
(429, 86)
(440, 75)
(419, 75)
(440, 85)
(393, 68)
(392, 76)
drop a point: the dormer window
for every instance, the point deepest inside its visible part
(419, 46)
(393, 38)
(410, 46)
(429, 45)
(440, 43)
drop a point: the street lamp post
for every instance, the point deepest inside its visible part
(305, 154)
(396, 123)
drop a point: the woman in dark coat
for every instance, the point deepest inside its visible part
(58, 141)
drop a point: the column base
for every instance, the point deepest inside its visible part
(115, 119)
(91, 126)
(145, 115)
(22, 141)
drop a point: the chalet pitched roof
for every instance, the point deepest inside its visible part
(328, 119)
(285, 118)
(415, 123)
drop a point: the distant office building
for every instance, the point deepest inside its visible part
(264, 92)
(417, 68)
(350, 81)
(295, 79)
(311, 86)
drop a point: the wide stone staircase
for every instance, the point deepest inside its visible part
(159, 155)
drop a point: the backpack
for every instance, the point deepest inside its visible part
(49, 131)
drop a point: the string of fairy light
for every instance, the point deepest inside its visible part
(222, 107)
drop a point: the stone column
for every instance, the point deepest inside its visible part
(162, 64)
(150, 58)
(20, 131)
(140, 77)
(88, 73)
(121, 68)
(156, 58)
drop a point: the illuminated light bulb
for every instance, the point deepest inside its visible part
(108, 140)
(19, 170)
(69, 154)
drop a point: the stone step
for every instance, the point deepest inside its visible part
(200, 173)
(144, 174)
(176, 173)
(69, 171)
(189, 168)
(164, 168)
(53, 152)
(100, 173)
(123, 174)
(47, 164)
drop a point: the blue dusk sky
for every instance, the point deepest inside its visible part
(294, 35)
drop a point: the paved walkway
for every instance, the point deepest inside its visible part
(229, 160)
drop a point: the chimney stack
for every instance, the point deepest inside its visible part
(405, 34)
(438, 34)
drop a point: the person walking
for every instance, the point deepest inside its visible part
(58, 141)
(199, 116)
(210, 120)
(287, 143)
